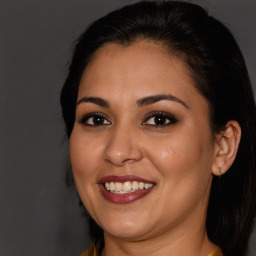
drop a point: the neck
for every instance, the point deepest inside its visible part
(189, 243)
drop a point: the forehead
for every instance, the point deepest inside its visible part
(137, 67)
(122, 76)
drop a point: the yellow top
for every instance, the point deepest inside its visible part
(92, 251)
(216, 252)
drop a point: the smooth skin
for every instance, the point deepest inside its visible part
(139, 113)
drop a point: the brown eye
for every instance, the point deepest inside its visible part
(160, 119)
(94, 120)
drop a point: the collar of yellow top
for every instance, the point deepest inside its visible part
(92, 251)
(216, 252)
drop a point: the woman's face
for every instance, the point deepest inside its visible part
(141, 148)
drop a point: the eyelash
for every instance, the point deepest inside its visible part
(171, 119)
(85, 120)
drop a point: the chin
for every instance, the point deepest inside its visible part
(128, 234)
(126, 229)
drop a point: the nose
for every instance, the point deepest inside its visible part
(123, 147)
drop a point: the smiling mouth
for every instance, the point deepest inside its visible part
(126, 187)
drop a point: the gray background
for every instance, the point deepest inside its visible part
(38, 214)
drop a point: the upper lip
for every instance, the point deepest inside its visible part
(123, 179)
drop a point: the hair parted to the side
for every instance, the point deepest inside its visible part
(217, 66)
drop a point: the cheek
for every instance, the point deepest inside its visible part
(84, 157)
(183, 153)
(184, 164)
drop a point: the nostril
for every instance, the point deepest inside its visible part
(122, 147)
(117, 162)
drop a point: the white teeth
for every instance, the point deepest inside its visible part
(112, 186)
(126, 187)
(135, 185)
(118, 186)
(148, 186)
(141, 185)
(107, 186)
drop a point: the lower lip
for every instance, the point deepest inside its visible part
(124, 198)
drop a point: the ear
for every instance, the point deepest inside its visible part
(226, 146)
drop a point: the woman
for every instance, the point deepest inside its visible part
(161, 118)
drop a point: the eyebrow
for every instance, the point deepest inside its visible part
(159, 97)
(96, 100)
(141, 102)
